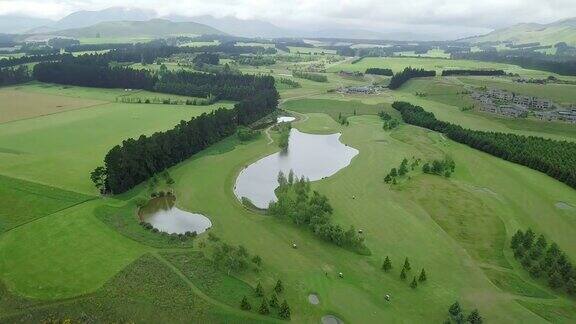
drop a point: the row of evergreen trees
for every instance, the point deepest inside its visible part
(304, 207)
(14, 75)
(544, 260)
(401, 77)
(555, 158)
(379, 71)
(473, 72)
(90, 75)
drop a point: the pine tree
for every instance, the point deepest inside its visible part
(279, 287)
(474, 317)
(245, 305)
(571, 287)
(455, 309)
(414, 283)
(555, 280)
(403, 274)
(535, 271)
(422, 276)
(387, 265)
(407, 264)
(273, 301)
(264, 310)
(284, 310)
(259, 292)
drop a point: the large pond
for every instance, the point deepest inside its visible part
(164, 216)
(312, 156)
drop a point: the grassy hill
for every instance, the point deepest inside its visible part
(151, 28)
(547, 34)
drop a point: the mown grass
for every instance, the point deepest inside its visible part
(512, 283)
(66, 254)
(24, 201)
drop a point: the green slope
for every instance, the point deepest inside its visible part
(151, 28)
(549, 34)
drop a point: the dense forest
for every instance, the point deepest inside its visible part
(473, 72)
(14, 75)
(555, 158)
(401, 77)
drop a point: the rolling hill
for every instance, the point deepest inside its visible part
(151, 28)
(546, 34)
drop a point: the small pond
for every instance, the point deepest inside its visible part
(164, 216)
(285, 119)
(312, 156)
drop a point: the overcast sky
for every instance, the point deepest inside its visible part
(454, 17)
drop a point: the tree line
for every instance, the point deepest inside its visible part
(563, 65)
(14, 75)
(304, 207)
(473, 72)
(379, 71)
(408, 73)
(310, 76)
(544, 261)
(136, 160)
(13, 61)
(555, 158)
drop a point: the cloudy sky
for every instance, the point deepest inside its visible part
(450, 17)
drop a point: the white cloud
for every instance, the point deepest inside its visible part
(453, 16)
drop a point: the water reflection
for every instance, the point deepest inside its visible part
(312, 156)
(164, 216)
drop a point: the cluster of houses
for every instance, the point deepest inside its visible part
(505, 103)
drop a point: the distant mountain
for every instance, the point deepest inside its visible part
(154, 28)
(18, 24)
(546, 34)
(85, 18)
(238, 27)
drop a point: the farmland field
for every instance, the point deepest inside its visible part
(67, 252)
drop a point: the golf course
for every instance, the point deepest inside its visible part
(73, 252)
